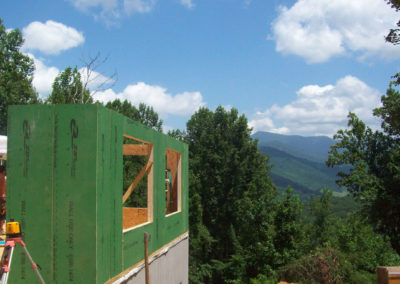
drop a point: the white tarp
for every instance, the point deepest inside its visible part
(3, 144)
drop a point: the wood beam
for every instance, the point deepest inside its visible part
(136, 149)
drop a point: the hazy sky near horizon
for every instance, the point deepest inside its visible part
(292, 67)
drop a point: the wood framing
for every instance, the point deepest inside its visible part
(136, 149)
(131, 188)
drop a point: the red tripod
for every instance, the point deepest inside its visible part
(7, 257)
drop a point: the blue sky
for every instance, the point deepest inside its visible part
(292, 67)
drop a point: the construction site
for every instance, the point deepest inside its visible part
(81, 224)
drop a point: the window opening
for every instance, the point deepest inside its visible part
(172, 181)
(137, 199)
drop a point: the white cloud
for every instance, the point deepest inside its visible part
(164, 103)
(320, 29)
(106, 10)
(321, 110)
(105, 5)
(138, 6)
(95, 80)
(110, 10)
(43, 77)
(50, 37)
(187, 3)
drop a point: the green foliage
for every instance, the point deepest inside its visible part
(344, 206)
(144, 114)
(375, 159)
(16, 74)
(390, 112)
(68, 89)
(242, 233)
(322, 221)
(289, 229)
(364, 248)
(232, 224)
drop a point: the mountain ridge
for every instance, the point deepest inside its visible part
(299, 162)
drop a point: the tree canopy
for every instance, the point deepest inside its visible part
(231, 195)
(144, 114)
(68, 89)
(375, 158)
(16, 74)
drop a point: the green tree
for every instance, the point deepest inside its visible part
(16, 74)
(231, 188)
(68, 89)
(322, 221)
(375, 158)
(144, 114)
(289, 228)
(364, 248)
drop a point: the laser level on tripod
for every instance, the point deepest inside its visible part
(13, 237)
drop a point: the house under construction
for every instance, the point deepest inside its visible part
(66, 167)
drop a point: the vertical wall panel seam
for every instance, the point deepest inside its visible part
(52, 198)
(97, 172)
(109, 195)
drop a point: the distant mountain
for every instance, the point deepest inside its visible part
(299, 162)
(314, 148)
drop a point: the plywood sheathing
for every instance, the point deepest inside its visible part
(133, 217)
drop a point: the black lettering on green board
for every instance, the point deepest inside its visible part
(23, 216)
(74, 147)
(71, 241)
(27, 133)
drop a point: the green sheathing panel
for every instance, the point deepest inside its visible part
(29, 188)
(65, 188)
(163, 229)
(74, 212)
(116, 191)
(109, 194)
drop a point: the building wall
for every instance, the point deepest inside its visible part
(65, 188)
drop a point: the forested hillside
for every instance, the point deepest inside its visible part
(314, 148)
(244, 231)
(304, 176)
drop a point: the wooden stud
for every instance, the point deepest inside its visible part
(150, 186)
(146, 258)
